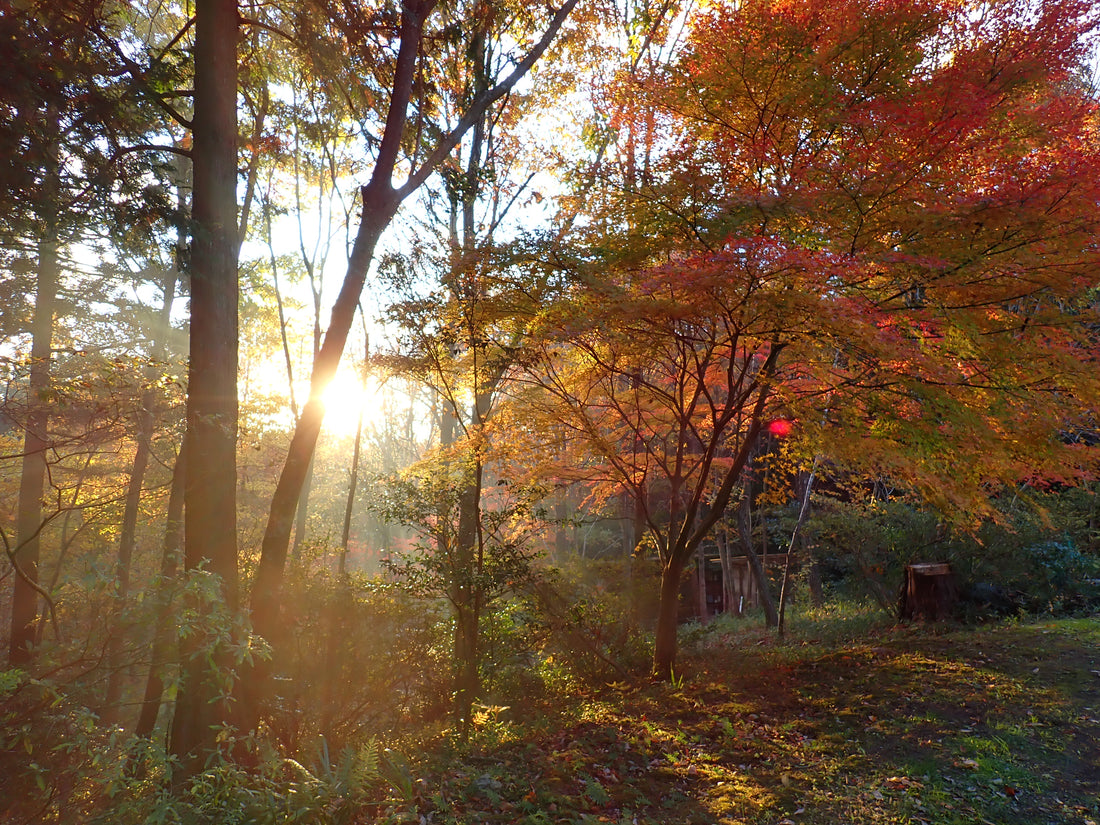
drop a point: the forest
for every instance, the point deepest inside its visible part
(631, 411)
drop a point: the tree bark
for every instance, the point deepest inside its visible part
(301, 519)
(160, 654)
(210, 490)
(353, 481)
(701, 587)
(728, 605)
(664, 648)
(813, 581)
(349, 508)
(467, 593)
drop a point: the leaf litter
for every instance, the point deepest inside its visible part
(931, 725)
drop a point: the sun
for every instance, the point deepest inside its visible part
(346, 398)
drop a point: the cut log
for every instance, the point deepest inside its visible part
(929, 592)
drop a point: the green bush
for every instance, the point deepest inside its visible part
(1030, 557)
(54, 759)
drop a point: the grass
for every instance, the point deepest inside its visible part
(846, 721)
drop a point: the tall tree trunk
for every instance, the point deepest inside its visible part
(301, 518)
(353, 481)
(813, 582)
(162, 646)
(303, 499)
(468, 594)
(160, 655)
(701, 587)
(267, 585)
(562, 513)
(28, 526)
(349, 508)
(210, 491)
(128, 533)
(639, 518)
(109, 712)
(342, 598)
(467, 598)
(626, 525)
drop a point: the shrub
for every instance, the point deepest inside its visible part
(54, 758)
(367, 658)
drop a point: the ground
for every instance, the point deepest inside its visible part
(904, 724)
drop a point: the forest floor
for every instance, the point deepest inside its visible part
(933, 724)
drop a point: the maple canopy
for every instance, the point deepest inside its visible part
(879, 220)
(907, 192)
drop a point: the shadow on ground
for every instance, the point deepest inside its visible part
(921, 725)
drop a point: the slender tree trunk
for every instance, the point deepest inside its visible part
(639, 523)
(67, 538)
(267, 585)
(813, 581)
(763, 586)
(353, 483)
(210, 490)
(162, 650)
(316, 285)
(128, 533)
(162, 647)
(727, 573)
(784, 592)
(803, 511)
(467, 591)
(342, 598)
(467, 597)
(561, 517)
(303, 499)
(1094, 521)
(109, 712)
(28, 526)
(378, 211)
(627, 541)
(701, 587)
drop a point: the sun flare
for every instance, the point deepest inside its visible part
(346, 399)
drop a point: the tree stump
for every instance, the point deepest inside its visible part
(929, 592)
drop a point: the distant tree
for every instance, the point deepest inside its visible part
(461, 335)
